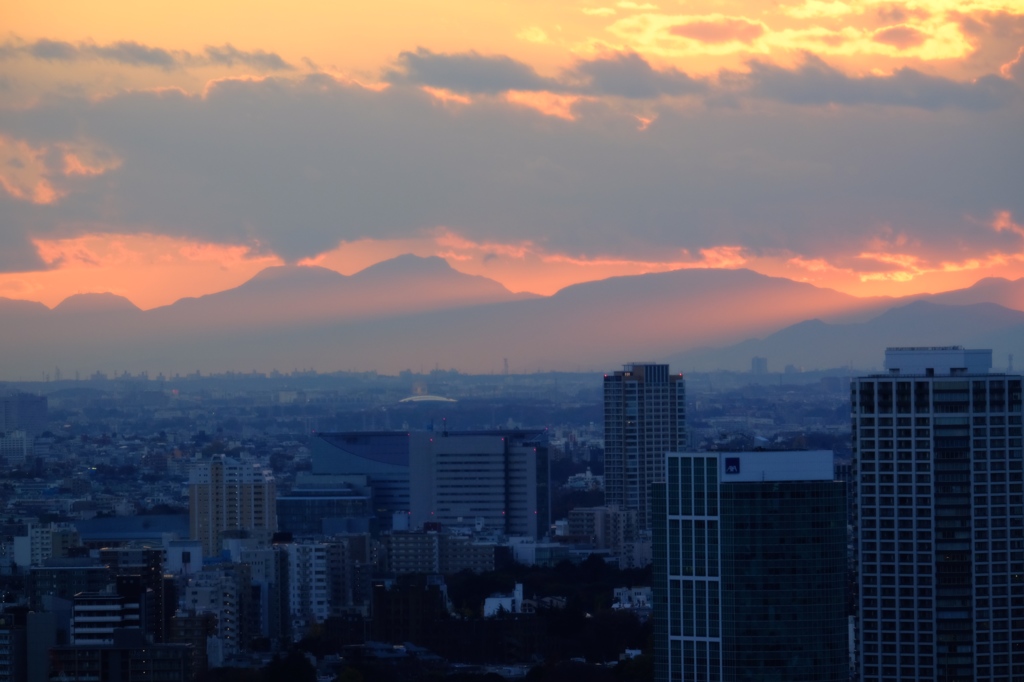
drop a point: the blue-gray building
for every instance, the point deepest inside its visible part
(381, 456)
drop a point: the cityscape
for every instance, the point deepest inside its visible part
(636, 525)
(564, 341)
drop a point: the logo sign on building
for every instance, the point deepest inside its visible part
(732, 465)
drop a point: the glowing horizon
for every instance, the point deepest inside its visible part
(179, 268)
(170, 150)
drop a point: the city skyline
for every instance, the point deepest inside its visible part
(160, 153)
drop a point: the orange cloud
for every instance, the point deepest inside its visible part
(902, 37)
(891, 266)
(520, 266)
(445, 96)
(24, 173)
(723, 30)
(547, 103)
(1015, 67)
(151, 270)
(87, 160)
(817, 8)
(835, 29)
(28, 172)
(154, 270)
(1003, 222)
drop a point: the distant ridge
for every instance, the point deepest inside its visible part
(95, 303)
(416, 313)
(814, 344)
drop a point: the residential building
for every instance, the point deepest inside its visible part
(139, 573)
(750, 568)
(44, 541)
(269, 567)
(13, 645)
(644, 417)
(15, 448)
(128, 657)
(230, 495)
(940, 524)
(224, 590)
(606, 528)
(96, 615)
(433, 552)
(23, 412)
(64, 578)
(308, 586)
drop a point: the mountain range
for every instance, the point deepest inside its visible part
(419, 313)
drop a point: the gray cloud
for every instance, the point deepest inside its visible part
(52, 50)
(131, 53)
(624, 75)
(299, 164)
(467, 72)
(1016, 67)
(629, 75)
(229, 55)
(17, 254)
(816, 83)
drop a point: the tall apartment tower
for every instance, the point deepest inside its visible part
(226, 494)
(644, 417)
(940, 499)
(750, 568)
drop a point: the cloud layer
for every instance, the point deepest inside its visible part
(294, 166)
(873, 141)
(131, 53)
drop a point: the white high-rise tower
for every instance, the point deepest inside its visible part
(940, 499)
(644, 417)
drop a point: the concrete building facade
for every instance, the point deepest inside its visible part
(498, 480)
(227, 494)
(940, 518)
(644, 417)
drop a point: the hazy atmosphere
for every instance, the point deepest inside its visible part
(167, 150)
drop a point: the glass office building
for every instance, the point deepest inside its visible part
(750, 565)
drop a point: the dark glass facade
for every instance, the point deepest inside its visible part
(751, 569)
(783, 568)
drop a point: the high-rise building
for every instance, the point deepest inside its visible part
(226, 494)
(750, 568)
(940, 501)
(644, 417)
(494, 479)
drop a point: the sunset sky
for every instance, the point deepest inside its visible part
(166, 149)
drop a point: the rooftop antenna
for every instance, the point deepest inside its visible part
(1009, 369)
